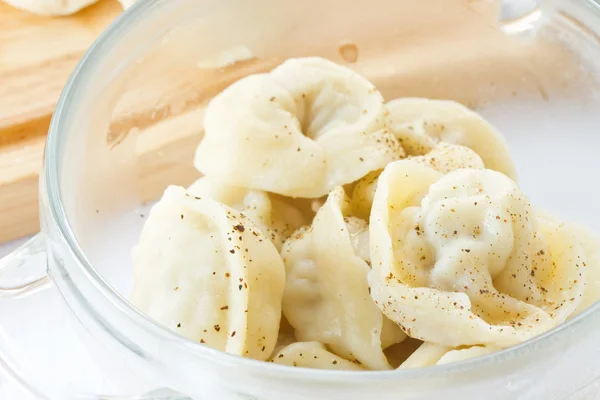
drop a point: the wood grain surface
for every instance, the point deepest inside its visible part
(37, 55)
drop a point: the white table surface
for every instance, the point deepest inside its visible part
(8, 388)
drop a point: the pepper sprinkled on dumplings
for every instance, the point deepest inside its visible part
(364, 222)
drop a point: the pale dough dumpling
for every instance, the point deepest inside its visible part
(273, 215)
(312, 355)
(591, 246)
(457, 355)
(427, 355)
(363, 195)
(447, 157)
(326, 298)
(51, 7)
(430, 354)
(301, 130)
(421, 123)
(461, 259)
(444, 157)
(205, 271)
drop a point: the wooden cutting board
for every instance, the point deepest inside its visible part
(451, 51)
(37, 55)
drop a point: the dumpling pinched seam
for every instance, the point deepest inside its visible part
(301, 130)
(443, 157)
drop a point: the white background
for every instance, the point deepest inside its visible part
(9, 390)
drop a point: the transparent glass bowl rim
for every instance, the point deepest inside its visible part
(66, 112)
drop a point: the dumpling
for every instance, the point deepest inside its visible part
(430, 354)
(591, 247)
(457, 355)
(326, 297)
(312, 355)
(363, 195)
(443, 157)
(446, 157)
(427, 355)
(421, 123)
(461, 259)
(51, 7)
(206, 271)
(301, 130)
(273, 215)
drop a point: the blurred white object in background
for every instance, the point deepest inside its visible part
(127, 3)
(57, 7)
(51, 7)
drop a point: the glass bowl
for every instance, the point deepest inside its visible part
(130, 118)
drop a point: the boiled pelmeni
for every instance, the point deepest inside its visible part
(363, 194)
(461, 259)
(457, 355)
(207, 272)
(276, 218)
(326, 297)
(447, 157)
(421, 123)
(427, 355)
(312, 355)
(301, 130)
(430, 354)
(443, 157)
(590, 244)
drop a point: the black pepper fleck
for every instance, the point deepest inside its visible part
(239, 228)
